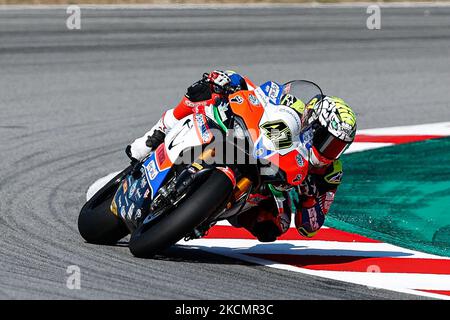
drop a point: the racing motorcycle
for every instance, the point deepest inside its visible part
(183, 188)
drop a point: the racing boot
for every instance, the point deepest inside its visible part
(142, 146)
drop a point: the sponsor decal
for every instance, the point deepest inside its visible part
(253, 100)
(200, 120)
(130, 211)
(195, 104)
(160, 155)
(138, 214)
(199, 109)
(132, 189)
(259, 152)
(256, 198)
(334, 178)
(151, 169)
(197, 166)
(123, 213)
(143, 182)
(297, 178)
(125, 186)
(300, 160)
(113, 207)
(306, 137)
(192, 170)
(288, 100)
(206, 136)
(274, 91)
(294, 115)
(312, 213)
(138, 194)
(261, 97)
(237, 99)
(203, 128)
(279, 133)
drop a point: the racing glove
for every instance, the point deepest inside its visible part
(308, 187)
(155, 139)
(220, 82)
(309, 216)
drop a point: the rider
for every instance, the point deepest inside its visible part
(328, 128)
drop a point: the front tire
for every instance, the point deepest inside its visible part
(96, 223)
(146, 241)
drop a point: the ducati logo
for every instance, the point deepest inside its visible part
(237, 99)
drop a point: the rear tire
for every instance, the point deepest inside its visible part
(96, 223)
(146, 241)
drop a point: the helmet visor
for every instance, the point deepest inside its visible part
(328, 145)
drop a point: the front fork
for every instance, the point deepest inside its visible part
(240, 187)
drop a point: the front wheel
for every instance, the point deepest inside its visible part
(96, 223)
(146, 241)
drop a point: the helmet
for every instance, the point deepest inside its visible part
(225, 82)
(329, 127)
(237, 82)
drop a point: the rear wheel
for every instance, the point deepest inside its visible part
(146, 241)
(96, 223)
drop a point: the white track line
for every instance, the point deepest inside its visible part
(439, 129)
(363, 146)
(386, 282)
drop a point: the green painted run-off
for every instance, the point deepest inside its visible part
(399, 195)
